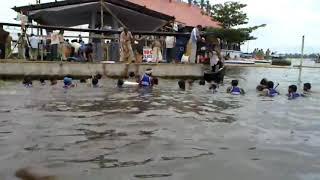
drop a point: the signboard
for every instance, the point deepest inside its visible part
(147, 53)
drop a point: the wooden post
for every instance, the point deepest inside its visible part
(301, 60)
(101, 14)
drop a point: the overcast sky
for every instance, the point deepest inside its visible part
(287, 21)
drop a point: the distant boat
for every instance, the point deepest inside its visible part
(239, 61)
(280, 60)
(263, 61)
(249, 56)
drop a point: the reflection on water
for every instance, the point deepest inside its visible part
(93, 133)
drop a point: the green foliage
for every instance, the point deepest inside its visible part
(229, 14)
(234, 35)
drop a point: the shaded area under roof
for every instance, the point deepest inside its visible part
(78, 12)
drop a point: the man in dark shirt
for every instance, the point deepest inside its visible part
(3, 38)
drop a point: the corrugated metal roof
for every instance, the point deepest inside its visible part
(183, 12)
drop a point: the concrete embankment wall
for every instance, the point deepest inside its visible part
(15, 69)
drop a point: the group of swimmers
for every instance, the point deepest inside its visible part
(146, 80)
(67, 81)
(266, 88)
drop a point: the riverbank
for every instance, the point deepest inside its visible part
(13, 69)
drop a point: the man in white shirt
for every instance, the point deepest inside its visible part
(170, 44)
(34, 43)
(195, 37)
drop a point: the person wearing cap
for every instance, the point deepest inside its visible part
(146, 79)
(67, 81)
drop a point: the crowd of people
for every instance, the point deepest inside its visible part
(124, 48)
(260, 54)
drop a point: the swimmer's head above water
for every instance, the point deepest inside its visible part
(182, 84)
(307, 87)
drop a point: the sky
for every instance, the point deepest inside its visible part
(287, 21)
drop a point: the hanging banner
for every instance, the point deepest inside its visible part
(147, 53)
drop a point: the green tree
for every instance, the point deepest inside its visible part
(230, 14)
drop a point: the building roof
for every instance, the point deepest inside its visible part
(79, 12)
(183, 12)
(122, 3)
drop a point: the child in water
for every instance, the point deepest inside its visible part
(307, 87)
(146, 79)
(27, 82)
(42, 82)
(213, 87)
(270, 91)
(234, 89)
(95, 82)
(182, 85)
(67, 81)
(263, 84)
(292, 92)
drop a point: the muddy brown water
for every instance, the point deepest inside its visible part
(121, 134)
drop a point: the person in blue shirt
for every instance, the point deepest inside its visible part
(146, 80)
(270, 91)
(234, 89)
(292, 92)
(67, 81)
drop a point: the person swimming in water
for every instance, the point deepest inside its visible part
(307, 87)
(263, 85)
(292, 92)
(42, 82)
(213, 87)
(202, 82)
(95, 82)
(147, 80)
(67, 81)
(182, 85)
(234, 89)
(27, 81)
(270, 91)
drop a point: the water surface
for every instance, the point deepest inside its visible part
(164, 133)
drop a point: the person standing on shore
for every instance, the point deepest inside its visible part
(170, 44)
(3, 39)
(34, 43)
(22, 43)
(195, 37)
(126, 39)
